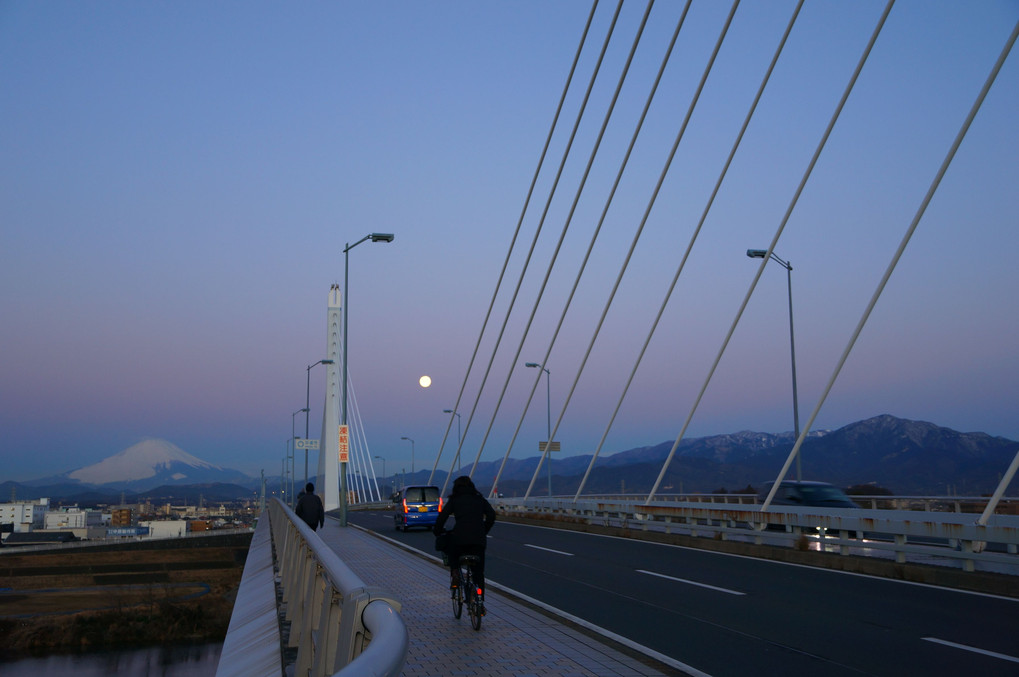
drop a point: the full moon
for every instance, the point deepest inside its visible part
(425, 381)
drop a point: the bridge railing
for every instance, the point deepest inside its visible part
(956, 537)
(338, 625)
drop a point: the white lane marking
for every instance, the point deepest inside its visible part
(558, 552)
(699, 585)
(985, 652)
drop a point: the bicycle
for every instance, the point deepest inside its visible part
(467, 592)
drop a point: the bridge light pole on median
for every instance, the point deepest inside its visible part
(293, 436)
(760, 254)
(456, 461)
(307, 408)
(374, 237)
(411, 455)
(548, 405)
(383, 467)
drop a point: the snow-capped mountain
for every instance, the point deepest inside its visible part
(150, 463)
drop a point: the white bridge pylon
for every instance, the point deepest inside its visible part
(362, 485)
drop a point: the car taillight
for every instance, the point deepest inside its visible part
(405, 509)
(440, 504)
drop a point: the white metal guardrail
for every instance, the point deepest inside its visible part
(339, 625)
(953, 536)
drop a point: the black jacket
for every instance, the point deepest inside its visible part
(472, 514)
(309, 508)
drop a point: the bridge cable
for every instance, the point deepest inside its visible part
(566, 226)
(693, 238)
(892, 264)
(530, 251)
(792, 204)
(594, 237)
(359, 449)
(509, 252)
(640, 229)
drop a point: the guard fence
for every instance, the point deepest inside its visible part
(337, 624)
(934, 533)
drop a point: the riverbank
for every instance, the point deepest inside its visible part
(114, 597)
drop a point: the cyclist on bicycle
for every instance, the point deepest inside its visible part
(473, 517)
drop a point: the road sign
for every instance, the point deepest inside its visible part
(553, 447)
(344, 444)
(301, 443)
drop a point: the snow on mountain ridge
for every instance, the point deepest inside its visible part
(138, 462)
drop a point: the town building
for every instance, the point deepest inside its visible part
(23, 516)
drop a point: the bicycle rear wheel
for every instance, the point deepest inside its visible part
(473, 603)
(458, 598)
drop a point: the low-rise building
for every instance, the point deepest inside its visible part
(72, 518)
(24, 515)
(166, 528)
(121, 517)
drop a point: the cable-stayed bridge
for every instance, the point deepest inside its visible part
(705, 611)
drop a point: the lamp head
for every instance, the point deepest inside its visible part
(532, 364)
(757, 253)
(327, 362)
(381, 237)
(447, 411)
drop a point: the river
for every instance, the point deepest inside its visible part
(174, 661)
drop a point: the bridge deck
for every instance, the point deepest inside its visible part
(514, 639)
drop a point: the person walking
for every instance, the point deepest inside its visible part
(309, 508)
(473, 518)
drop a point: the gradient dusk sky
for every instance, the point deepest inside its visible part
(178, 181)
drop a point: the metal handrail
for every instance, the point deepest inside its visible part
(339, 625)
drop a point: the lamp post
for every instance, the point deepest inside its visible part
(374, 237)
(307, 408)
(760, 254)
(383, 467)
(293, 436)
(411, 455)
(548, 404)
(456, 460)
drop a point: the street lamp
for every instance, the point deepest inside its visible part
(383, 467)
(548, 401)
(456, 460)
(411, 455)
(307, 408)
(374, 237)
(760, 254)
(293, 436)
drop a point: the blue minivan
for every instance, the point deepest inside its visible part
(417, 506)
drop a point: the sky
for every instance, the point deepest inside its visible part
(178, 182)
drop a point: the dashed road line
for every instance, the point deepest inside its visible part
(689, 582)
(558, 552)
(985, 652)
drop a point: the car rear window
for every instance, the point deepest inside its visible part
(422, 495)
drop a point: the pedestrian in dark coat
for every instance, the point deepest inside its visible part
(309, 508)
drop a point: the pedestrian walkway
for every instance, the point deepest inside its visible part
(514, 639)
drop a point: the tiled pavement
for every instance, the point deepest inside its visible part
(514, 639)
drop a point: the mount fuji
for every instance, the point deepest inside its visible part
(152, 463)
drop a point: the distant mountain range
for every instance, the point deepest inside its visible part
(907, 457)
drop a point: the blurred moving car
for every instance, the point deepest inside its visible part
(817, 494)
(417, 506)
